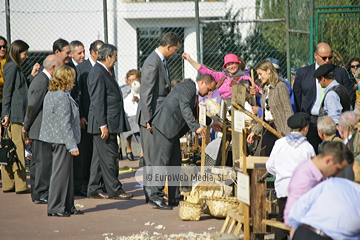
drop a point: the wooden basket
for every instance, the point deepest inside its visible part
(219, 206)
(190, 211)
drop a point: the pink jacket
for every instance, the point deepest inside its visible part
(225, 89)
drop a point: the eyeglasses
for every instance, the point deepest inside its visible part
(324, 58)
(2, 46)
(352, 66)
(267, 104)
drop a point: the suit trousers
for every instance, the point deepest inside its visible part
(61, 191)
(302, 233)
(167, 153)
(14, 176)
(147, 144)
(83, 161)
(313, 136)
(281, 234)
(105, 154)
(40, 169)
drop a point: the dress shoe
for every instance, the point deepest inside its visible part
(130, 156)
(25, 191)
(141, 162)
(123, 196)
(65, 214)
(100, 195)
(174, 202)
(76, 212)
(41, 201)
(160, 204)
(7, 191)
(82, 192)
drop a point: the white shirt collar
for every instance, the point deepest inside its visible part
(92, 61)
(316, 65)
(103, 65)
(160, 54)
(75, 63)
(47, 73)
(197, 88)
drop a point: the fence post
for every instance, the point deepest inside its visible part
(7, 10)
(311, 32)
(197, 22)
(105, 21)
(288, 41)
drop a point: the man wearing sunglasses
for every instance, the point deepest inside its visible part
(308, 92)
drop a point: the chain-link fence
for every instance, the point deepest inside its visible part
(254, 30)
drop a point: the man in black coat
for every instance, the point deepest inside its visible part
(172, 120)
(41, 164)
(308, 92)
(106, 119)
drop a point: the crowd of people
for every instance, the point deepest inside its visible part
(74, 110)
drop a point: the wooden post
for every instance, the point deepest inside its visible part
(224, 142)
(246, 207)
(204, 142)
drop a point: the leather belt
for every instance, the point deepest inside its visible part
(317, 231)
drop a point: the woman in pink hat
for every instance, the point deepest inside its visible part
(225, 80)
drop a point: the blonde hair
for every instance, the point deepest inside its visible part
(273, 76)
(63, 79)
(133, 72)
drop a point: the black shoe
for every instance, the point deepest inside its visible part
(141, 162)
(130, 156)
(174, 202)
(76, 212)
(41, 201)
(82, 192)
(65, 214)
(25, 191)
(8, 191)
(160, 204)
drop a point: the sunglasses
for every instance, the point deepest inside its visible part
(324, 58)
(354, 66)
(267, 104)
(2, 46)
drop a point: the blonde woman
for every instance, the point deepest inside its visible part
(275, 103)
(61, 127)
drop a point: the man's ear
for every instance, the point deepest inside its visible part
(57, 52)
(328, 159)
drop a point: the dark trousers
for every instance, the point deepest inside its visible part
(147, 143)
(313, 136)
(61, 191)
(106, 155)
(281, 234)
(303, 233)
(82, 162)
(167, 153)
(40, 169)
(268, 141)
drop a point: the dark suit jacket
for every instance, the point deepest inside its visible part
(83, 70)
(177, 111)
(15, 89)
(106, 102)
(155, 86)
(305, 86)
(75, 91)
(36, 94)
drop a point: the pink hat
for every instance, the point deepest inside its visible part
(229, 58)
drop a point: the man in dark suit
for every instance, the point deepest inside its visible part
(171, 121)
(106, 120)
(82, 165)
(77, 54)
(155, 86)
(308, 92)
(41, 164)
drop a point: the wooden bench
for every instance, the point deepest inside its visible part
(276, 224)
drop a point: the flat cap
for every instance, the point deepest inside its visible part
(298, 120)
(323, 70)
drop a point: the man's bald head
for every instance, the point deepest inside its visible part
(323, 53)
(51, 62)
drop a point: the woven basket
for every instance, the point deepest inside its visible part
(219, 206)
(189, 211)
(210, 189)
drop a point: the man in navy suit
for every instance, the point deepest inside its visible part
(308, 92)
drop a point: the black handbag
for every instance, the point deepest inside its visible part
(7, 149)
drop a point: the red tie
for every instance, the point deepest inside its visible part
(110, 73)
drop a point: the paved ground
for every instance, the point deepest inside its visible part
(103, 219)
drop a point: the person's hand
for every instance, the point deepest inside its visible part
(250, 139)
(5, 122)
(104, 132)
(135, 99)
(148, 126)
(255, 109)
(35, 69)
(216, 126)
(83, 123)
(75, 152)
(254, 91)
(186, 56)
(201, 131)
(23, 129)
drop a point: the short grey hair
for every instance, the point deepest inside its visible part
(347, 119)
(106, 50)
(74, 44)
(327, 125)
